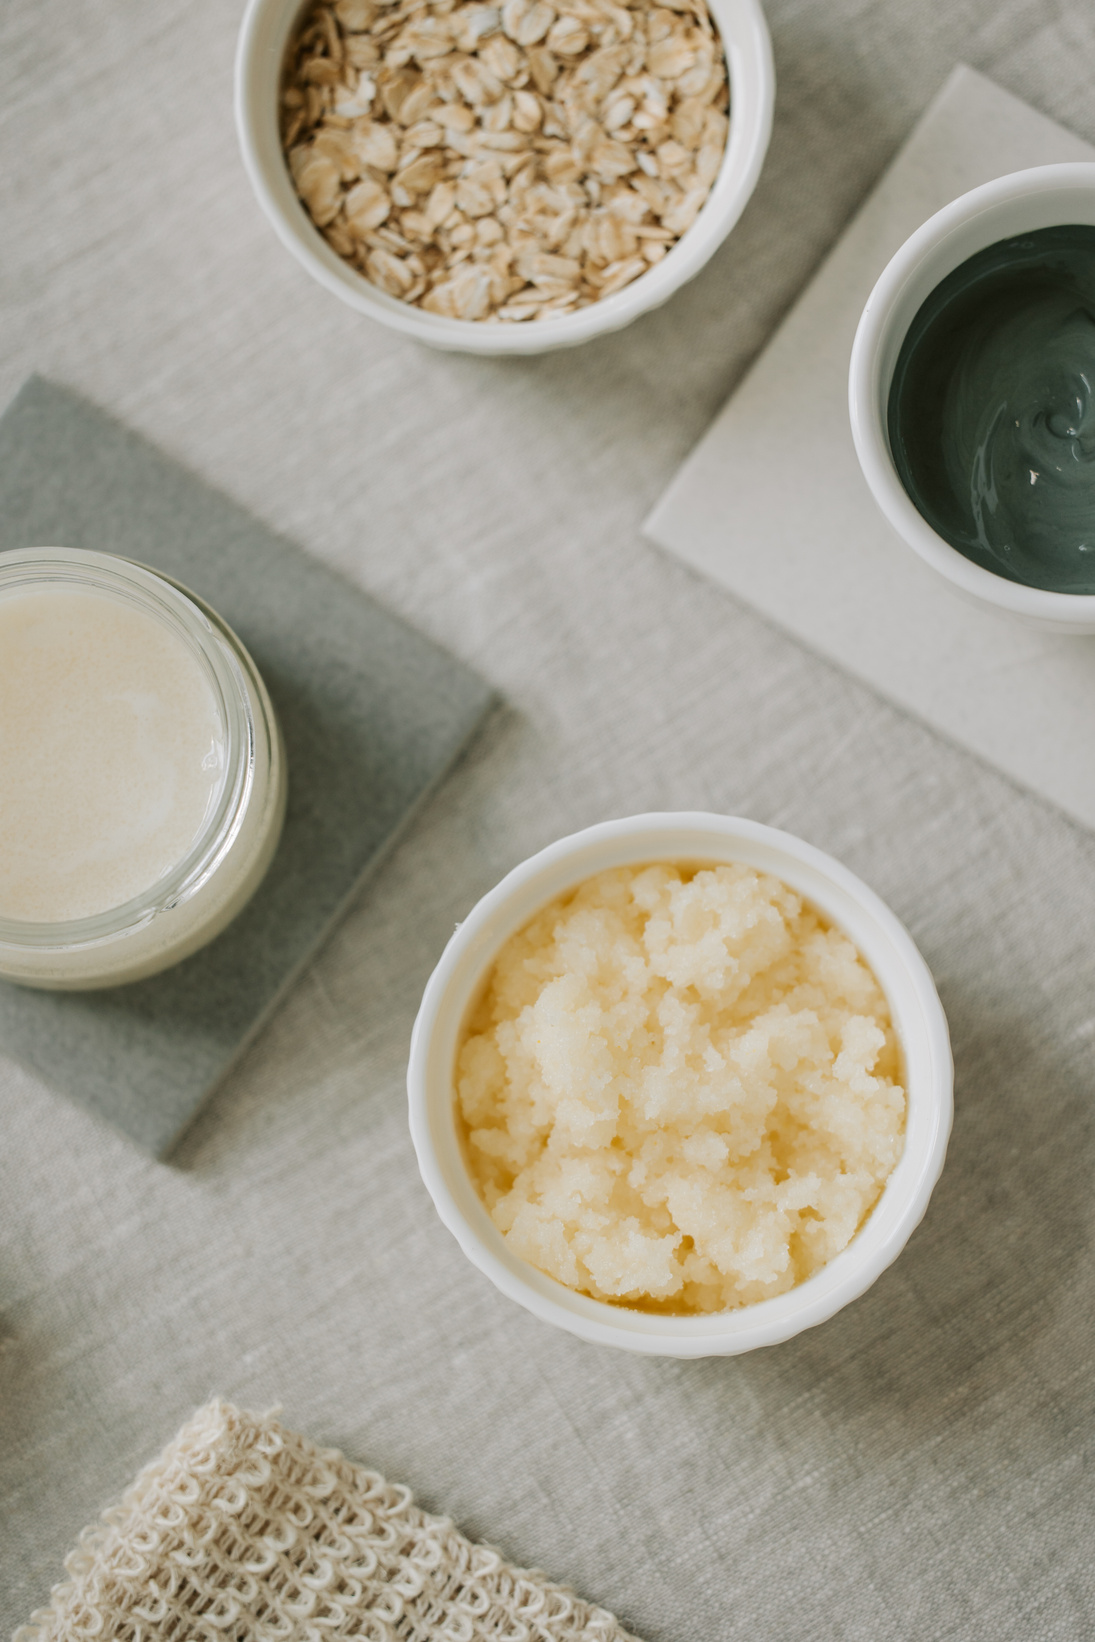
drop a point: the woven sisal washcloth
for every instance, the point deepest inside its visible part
(244, 1532)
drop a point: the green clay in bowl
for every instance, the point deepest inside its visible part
(991, 411)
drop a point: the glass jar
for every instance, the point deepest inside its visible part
(143, 736)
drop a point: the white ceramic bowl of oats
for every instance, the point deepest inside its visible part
(520, 169)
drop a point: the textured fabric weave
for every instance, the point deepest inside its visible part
(244, 1532)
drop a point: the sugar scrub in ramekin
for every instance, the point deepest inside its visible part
(811, 939)
(680, 1088)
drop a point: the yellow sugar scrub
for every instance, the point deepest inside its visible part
(679, 1090)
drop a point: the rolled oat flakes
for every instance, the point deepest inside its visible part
(504, 162)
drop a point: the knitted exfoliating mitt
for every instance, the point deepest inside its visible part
(244, 1532)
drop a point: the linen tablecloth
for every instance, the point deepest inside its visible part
(915, 1469)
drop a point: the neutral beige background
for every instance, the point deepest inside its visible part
(915, 1469)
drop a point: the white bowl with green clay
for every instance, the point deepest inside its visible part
(972, 395)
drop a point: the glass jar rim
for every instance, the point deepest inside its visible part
(214, 646)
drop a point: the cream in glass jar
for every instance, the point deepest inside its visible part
(142, 776)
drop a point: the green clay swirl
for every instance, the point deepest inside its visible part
(992, 409)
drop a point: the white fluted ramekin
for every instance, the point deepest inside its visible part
(848, 904)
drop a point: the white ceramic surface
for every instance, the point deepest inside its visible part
(918, 1019)
(266, 28)
(1020, 203)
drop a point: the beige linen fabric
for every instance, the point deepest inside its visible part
(242, 1531)
(916, 1470)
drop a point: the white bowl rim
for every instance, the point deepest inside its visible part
(752, 76)
(768, 1321)
(869, 430)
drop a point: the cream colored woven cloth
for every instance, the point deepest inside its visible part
(243, 1530)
